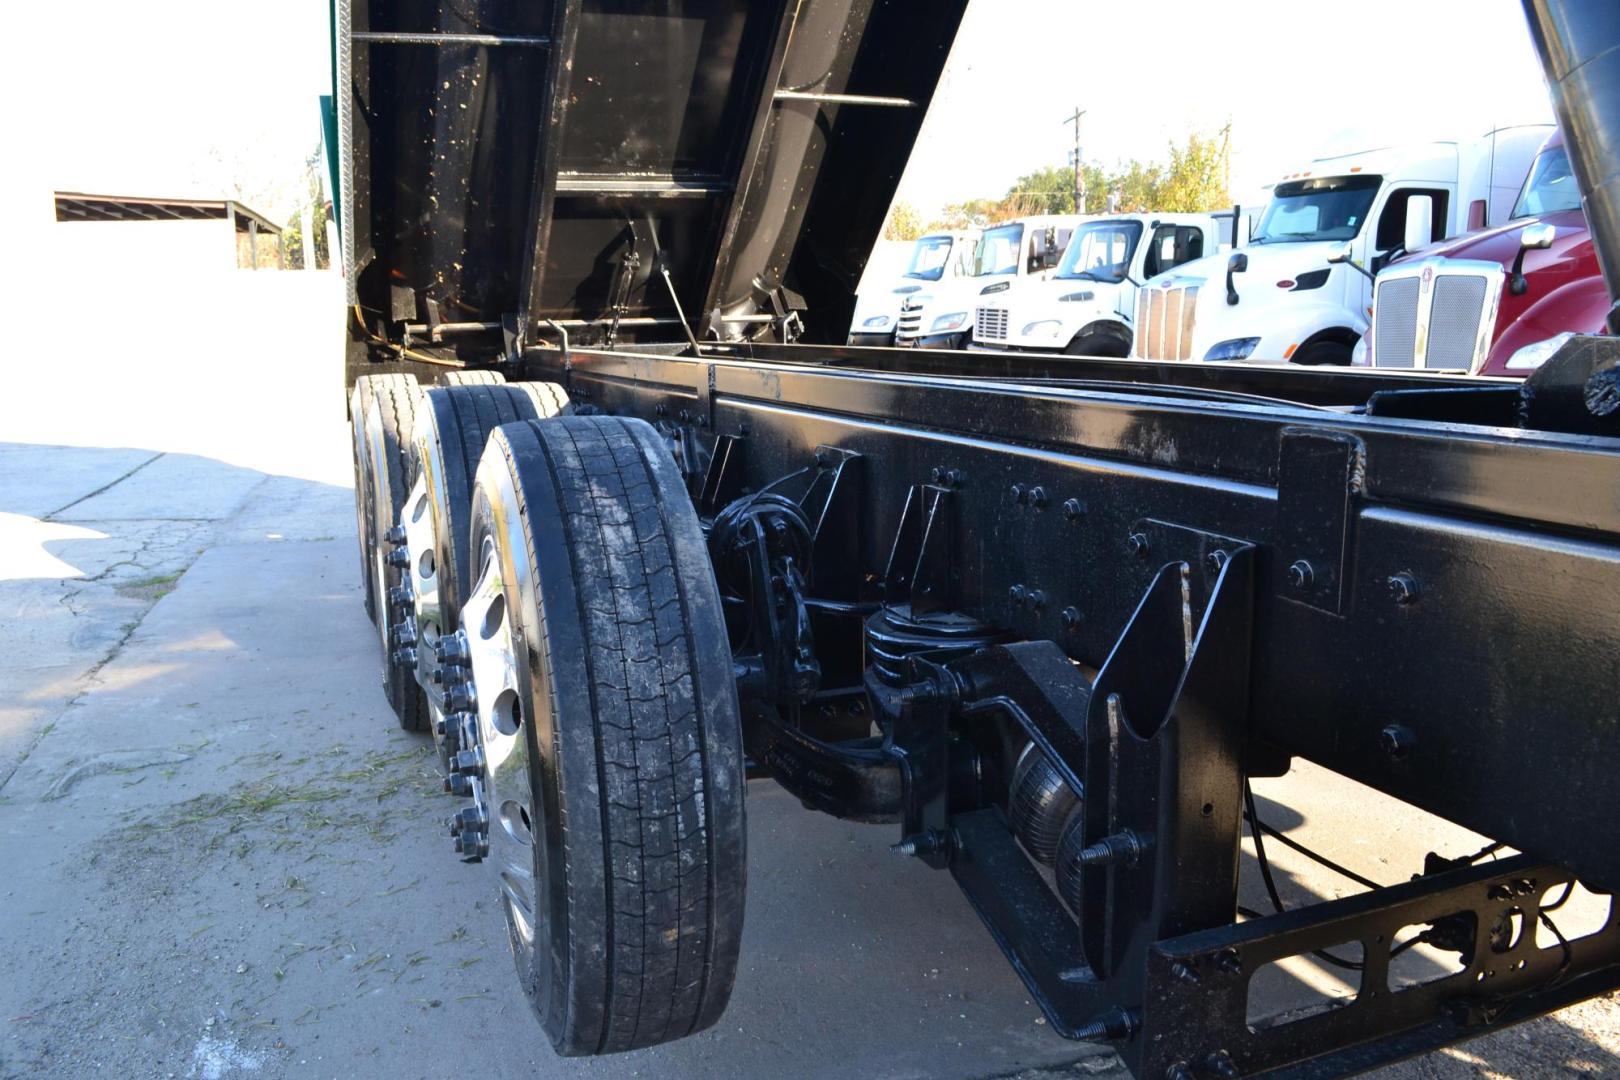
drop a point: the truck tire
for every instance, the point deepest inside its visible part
(454, 424)
(1326, 352)
(1101, 339)
(472, 377)
(613, 771)
(385, 468)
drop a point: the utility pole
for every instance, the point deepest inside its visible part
(1079, 176)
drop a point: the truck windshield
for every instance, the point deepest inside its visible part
(1101, 251)
(928, 258)
(999, 250)
(1550, 186)
(1329, 208)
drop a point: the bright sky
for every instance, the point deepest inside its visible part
(179, 97)
(1292, 76)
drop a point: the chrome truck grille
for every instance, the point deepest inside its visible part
(1164, 322)
(1435, 313)
(909, 326)
(990, 324)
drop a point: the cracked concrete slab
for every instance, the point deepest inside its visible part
(186, 488)
(36, 480)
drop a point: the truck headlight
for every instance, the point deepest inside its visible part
(1233, 349)
(1041, 328)
(876, 322)
(1537, 353)
(947, 323)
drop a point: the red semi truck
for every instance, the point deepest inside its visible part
(1496, 301)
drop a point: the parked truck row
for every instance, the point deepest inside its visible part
(1476, 253)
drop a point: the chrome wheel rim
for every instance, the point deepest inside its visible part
(502, 704)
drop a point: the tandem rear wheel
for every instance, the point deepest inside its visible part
(606, 779)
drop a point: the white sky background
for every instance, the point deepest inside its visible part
(197, 97)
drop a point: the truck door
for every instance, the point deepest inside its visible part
(1171, 246)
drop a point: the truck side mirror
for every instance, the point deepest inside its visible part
(1237, 264)
(1345, 254)
(1419, 222)
(1532, 238)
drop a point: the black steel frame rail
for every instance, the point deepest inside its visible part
(1437, 608)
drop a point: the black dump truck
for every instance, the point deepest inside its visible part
(631, 534)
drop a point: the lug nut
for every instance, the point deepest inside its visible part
(1071, 618)
(1017, 493)
(464, 727)
(468, 762)
(405, 632)
(469, 819)
(405, 658)
(1137, 544)
(1073, 509)
(401, 596)
(453, 648)
(1037, 497)
(451, 675)
(472, 846)
(395, 535)
(1017, 594)
(457, 784)
(461, 697)
(399, 558)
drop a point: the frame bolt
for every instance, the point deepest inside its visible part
(955, 477)
(937, 476)
(1018, 493)
(1071, 618)
(1229, 961)
(1403, 588)
(1017, 594)
(1122, 847)
(921, 845)
(1074, 509)
(1179, 1071)
(1221, 1064)
(1215, 560)
(1037, 598)
(1301, 574)
(1396, 740)
(1137, 544)
(1037, 497)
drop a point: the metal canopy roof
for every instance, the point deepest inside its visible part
(78, 206)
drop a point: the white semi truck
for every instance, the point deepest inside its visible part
(941, 317)
(1301, 290)
(1088, 305)
(935, 258)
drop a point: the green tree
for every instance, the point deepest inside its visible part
(1050, 190)
(904, 223)
(1198, 174)
(972, 214)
